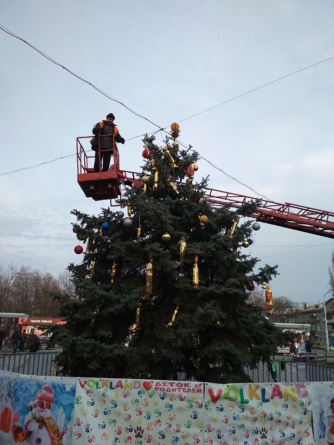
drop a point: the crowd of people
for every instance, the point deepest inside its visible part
(21, 341)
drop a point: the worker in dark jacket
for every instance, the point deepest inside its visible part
(107, 143)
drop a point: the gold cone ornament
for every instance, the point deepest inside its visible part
(172, 162)
(113, 271)
(149, 279)
(145, 181)
(173, 185)
(195, 273)
(183, 246)
(92, 270)
(173, 316)
(230, 231)
(138, 230)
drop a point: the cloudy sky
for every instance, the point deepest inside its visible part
(169, 61)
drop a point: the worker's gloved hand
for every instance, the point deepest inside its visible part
(123, 141)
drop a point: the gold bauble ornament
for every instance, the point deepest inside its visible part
(166, 237)
(245, 244)
(195, 167)
(203, 219)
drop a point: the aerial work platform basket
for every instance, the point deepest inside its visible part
(100, 184)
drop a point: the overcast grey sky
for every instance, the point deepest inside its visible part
(169, 60)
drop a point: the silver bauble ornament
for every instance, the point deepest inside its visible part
(256, 226)
(127, 222)
(120, 214)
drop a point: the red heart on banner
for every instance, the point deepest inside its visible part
(147, 385)
(215, 397)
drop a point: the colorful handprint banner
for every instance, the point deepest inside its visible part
(251, 414)
(138, 412)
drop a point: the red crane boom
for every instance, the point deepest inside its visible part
(106, 185)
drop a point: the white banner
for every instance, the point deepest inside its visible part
(120, 411)
(251, 414)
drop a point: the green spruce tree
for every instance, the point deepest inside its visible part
(165, 291)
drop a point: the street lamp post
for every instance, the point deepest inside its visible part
(325, 320)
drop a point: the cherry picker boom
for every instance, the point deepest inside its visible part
(106, 185)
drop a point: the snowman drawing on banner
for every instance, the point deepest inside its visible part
(40, 428)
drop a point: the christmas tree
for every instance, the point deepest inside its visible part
(165, 290)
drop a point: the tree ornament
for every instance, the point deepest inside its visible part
(149, 279)
(113, 271)
(250, 241)
(256, 226)
(81, 236)
(129, 208)
(92, 270)
(146, 153)
(269, 299)
(250, 286)
(230, 231)
(245, 244)
(273, 369)
(173, 185)
(183, 246)
(174, 316)
(166, 237)
(175, 145)
(203, 219)
(195, 167)
(78, 249)
(89, 245)
(75, 229)
(127, 222)
(105, 225)
(202, 200)
(172, 162)
(138, 230)
(175, 127)
(283, 364)
(195, 273)
(145, 180)
(190, 172)
(120, 214)
(155, 180)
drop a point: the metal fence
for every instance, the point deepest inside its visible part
(39, 363)
(42, 364)
(293, 372)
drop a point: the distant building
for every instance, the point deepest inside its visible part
(313, 316)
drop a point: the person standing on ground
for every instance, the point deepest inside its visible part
(106, 132)
(2, 337)
(16, 338)
(23, 341)
(32, 341)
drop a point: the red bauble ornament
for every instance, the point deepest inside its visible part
(78, 249)
(250, 286)
(75, 229)
(146, 154)
(190, 172)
